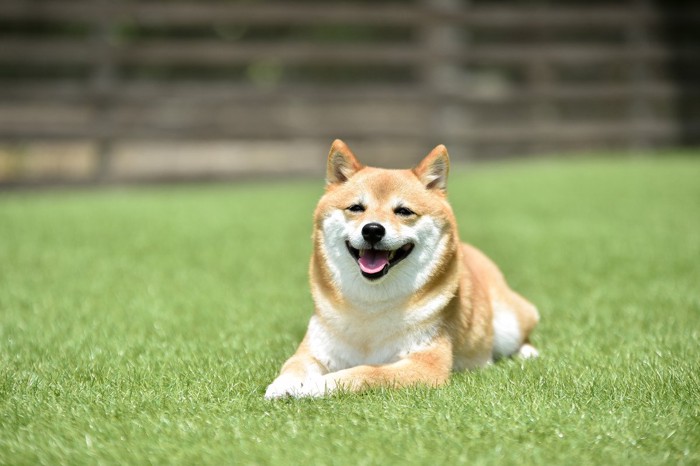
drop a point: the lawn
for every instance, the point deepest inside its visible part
(142, 325)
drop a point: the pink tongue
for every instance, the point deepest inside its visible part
(373, 261)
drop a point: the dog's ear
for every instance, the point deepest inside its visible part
(432, 171)
(342, 163)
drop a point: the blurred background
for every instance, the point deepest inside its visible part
(100, 91)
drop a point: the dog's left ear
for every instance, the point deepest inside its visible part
(432, 171)
(342, 163)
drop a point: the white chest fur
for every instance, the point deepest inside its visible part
(376, 325)
(340, 340)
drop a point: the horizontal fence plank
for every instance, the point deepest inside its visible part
(206, 13)
(198, 93)
(525, 133)
(219, 53)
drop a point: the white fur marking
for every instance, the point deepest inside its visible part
(401, 281)
(506, 331)
(370, 339)
(287, 385)
(528, 351)
(284, 385)
(375, 325)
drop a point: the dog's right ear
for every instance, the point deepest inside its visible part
(434, 168)
(342, 163)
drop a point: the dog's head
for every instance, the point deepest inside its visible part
(378, 229)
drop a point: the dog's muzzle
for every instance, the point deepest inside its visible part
(375, 263)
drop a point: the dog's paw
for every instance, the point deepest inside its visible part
(291, 386)
(317, 386)
(527, 351)
(283, 386)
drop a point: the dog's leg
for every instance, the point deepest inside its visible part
(430, 367)
(298, 374)
(528, 317)
(514, 318)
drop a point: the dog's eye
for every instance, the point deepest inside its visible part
(356, 208)
(404, 211)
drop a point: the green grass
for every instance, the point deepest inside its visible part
(142, 326)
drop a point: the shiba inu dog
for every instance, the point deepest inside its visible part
(399, 300)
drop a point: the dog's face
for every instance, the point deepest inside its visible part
(383, 233)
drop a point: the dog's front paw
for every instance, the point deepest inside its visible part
(283, 386)
(317, 386)
(288, 385)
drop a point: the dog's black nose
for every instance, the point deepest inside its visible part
(373, 232)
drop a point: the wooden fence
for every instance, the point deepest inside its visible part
(487, 79)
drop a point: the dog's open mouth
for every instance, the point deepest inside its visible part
(375, 263)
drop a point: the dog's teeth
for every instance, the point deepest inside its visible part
(362, 252)
(392, 254)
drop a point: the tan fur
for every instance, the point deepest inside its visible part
(465, 283)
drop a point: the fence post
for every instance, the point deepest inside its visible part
(443, 78)
(543, 110)
(103, 82)
(641, 112)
